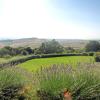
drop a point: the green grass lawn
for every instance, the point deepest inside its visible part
(35, 64)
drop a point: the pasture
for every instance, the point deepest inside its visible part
(36, 64)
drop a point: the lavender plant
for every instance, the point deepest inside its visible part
(83, 83)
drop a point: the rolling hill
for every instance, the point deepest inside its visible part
(36, 42)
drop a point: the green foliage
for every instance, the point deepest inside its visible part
(60, 55)
(97, 56)
(76, 74)
(23, 52)
(82, 83)
(16, 60)
(37, 51)
(11, 82)
(29, 50)
(88, 53)
(8, 60)
(85, 54)
(91, 53)
(97, 53)
(50, 47)
(15, 51)
(69, 50)
(93, 46)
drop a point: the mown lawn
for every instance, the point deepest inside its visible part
(36, 64)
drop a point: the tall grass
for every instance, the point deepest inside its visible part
(57, 82)
(12, 84)
(81, 83)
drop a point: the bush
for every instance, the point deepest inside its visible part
(97, 54)
(21, 60)
(60, 55)
(97, 58)
(91, 53)
(24, 52)
(15, 51)
(11, 83)
(85, 54)
(7, 56)
(56, 82)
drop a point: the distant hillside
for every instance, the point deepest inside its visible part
(25, 42)
(36, 42)
(75, 43)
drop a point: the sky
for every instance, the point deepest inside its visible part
(61, 19)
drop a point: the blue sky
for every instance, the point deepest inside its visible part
(82, 10)
(69, 19)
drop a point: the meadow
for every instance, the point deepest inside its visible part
(36, 64)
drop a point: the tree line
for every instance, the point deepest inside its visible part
(48, 47)
(8, 51)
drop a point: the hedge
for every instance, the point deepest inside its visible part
(21, 60)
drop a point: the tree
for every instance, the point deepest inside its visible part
(93, 46)
(51, 47)
(15, 51)
(23, 52)
(69, 49)
(29, 50)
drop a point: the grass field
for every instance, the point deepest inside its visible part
(35, 64)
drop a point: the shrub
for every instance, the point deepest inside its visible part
(7, 56)
(11, 82)
(15, 51)
(85, 54)
(24, 52)
(91, 53)
(97, 56)
(69, 49)
(21, 60)
(56, 82)
(60, 55)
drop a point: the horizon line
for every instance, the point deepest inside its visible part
(48, 38)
